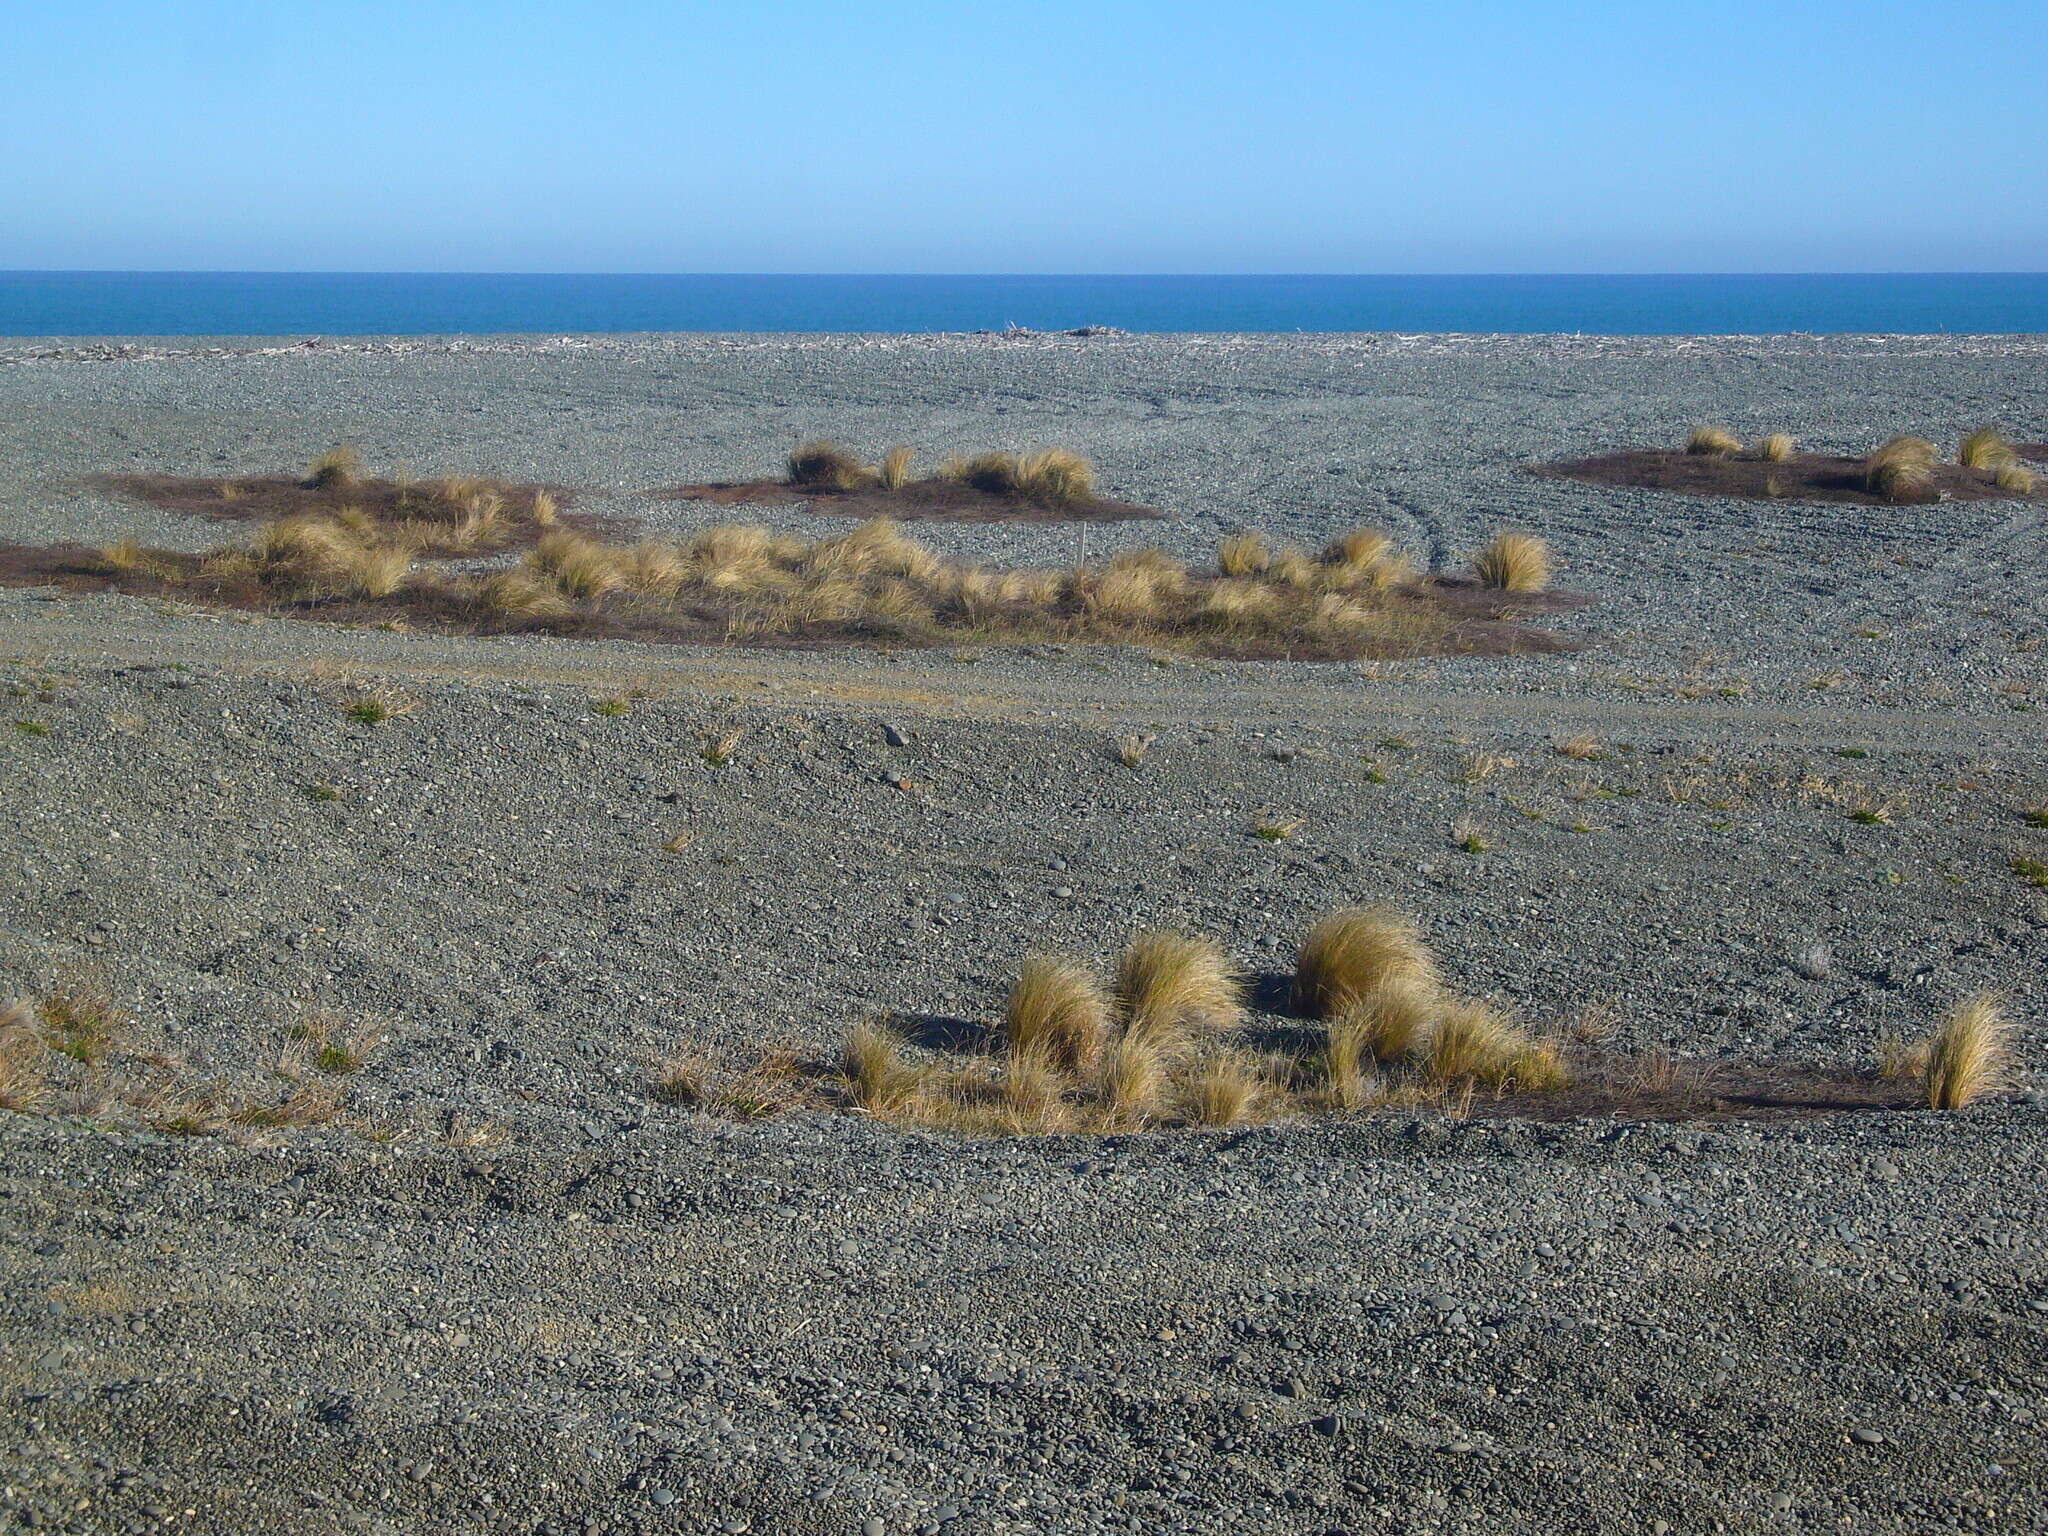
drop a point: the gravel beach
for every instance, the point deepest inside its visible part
(507, 1289)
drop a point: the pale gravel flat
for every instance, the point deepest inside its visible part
(632, 1318)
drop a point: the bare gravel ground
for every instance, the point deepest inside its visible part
(508, 1291)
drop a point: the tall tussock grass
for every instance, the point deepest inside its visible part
(1901, 469)
(1969, 1054)
(1713, 443)
(1352, 952)
(827, 466)
(1057, 1014)
(1985, 448)
(1513, 562)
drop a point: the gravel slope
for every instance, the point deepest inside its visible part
(627, 1317)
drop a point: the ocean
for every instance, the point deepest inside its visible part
(481, 304)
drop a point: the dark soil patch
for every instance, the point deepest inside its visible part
(937, 500)
(2038, 452)
(263, 498)
(1455, 618)
(1802, 477)
(1619, 1087)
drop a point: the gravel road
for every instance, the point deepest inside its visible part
(507, 1290)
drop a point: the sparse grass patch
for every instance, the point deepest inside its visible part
(1276, 829)
(378, 705)
(322, 793)
(1469, 838)
(31, 727)
(610, 708)
(2030, 869)
(719, 750)
(1132, 749)
(878, 1078)
(1582, 749)
(895, 471)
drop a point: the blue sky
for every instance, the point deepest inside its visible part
(1050, 136)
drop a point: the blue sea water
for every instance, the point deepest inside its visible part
(432, 304)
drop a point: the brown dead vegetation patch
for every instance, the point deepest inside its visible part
(515, 513)
(937, 499)
(741, 584)
(1751, 477)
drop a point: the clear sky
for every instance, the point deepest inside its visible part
(1024, 136)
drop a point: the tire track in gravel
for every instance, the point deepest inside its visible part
(1131, 694)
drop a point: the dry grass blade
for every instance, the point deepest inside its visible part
(1354, 950)
(1057, 1014)
(1513, 562)
(1171, 987)
(1969, 1054)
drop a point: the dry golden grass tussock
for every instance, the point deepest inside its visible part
(1057, 1014)
(1173, 987)
(337, 468)
(545, 511)
(1225, 1089)
(1123, 595)
(999, 474)
(895, 472)
(1713, 443)
(2016, 479)
(1477, 1040)
(1776, 448)
(520, 596)
(1240, 604)
(878, 1078)
(1359, 550)
(1244, 554)
(823, 465)
(1985, 448)
(1899, 479)
(682, 1079)
(1513, 562)
(1391, 1022)
(1353, 951)
(1056, 475)
(1347, 1066)
(582, 568)
(1900, 469)
(1969, 1054)
(1581, 748)
(1134, 1082)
